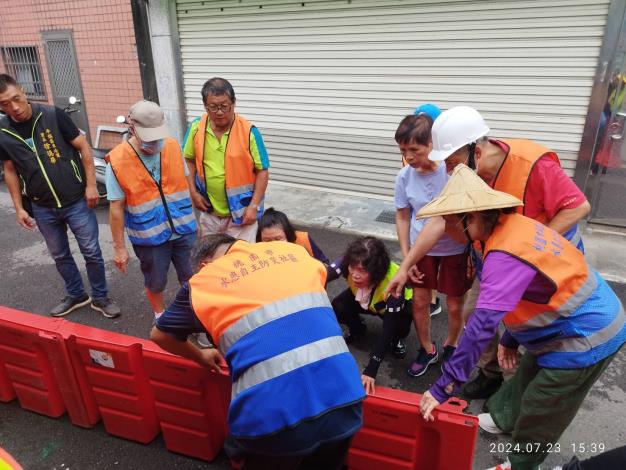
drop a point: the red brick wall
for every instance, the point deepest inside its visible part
(104, 39)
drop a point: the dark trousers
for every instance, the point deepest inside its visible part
(538, 404)
(330, 456)
(610, 459)
(81, 220)
(396, 325)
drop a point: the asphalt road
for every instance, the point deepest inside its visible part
(29, 281)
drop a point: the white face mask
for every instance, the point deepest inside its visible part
(151, 148)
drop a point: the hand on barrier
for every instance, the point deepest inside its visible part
(212, 359)
(427, 405)
(368, 384)
(120, 258)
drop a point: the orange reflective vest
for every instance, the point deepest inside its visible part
(265, 306)
(582, 321)
(154, 209)
(238, 166)
(302, 239)
(515, 171)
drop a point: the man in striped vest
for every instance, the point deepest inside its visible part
(148, 189)
(296, 393)
(228, 162)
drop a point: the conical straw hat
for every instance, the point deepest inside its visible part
(465, 191)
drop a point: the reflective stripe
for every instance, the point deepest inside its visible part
(247, 188)
(288, 361)
(144, 207)
(581, 344)
(157, 201)
(184, 220)
(238, 214)
(576, 238)
(177, 196)
(270, 312)
(570, 306)
(148, 233)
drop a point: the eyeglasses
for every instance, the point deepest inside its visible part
(224, 108)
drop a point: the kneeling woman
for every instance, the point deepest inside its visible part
(368, 269)
(566, 316)
(275, 226)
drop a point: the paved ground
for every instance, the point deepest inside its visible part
(30, 282)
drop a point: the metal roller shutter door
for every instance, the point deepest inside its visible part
(327, 82)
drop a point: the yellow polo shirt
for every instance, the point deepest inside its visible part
(214, 170)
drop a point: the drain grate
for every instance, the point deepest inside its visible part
(386, 217)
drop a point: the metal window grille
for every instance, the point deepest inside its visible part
(23, 63)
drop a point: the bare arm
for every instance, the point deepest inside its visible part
(205, 357)
(431, 233)
(91, 192)
(565, 219)
(13, 183)
(116, 221)
(260, 185)
(403, 228)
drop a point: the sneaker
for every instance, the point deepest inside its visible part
(69, 304)
(354, 334)
(398, 349)
(201, 339)
(486, 423)
(448, 351)
(423, 360)
(106, 307)
(502, 466)
(482, 386)
(435, 309)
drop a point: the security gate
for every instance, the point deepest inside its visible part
(328, 81)
(64, 75)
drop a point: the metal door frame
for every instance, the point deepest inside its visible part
(615, 26)
(67, 35)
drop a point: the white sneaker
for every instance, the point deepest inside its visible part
(502, 466)
(486, 423)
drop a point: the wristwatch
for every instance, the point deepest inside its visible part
(252, 204)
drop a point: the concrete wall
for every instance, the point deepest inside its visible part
(104, 39)
(166, 55)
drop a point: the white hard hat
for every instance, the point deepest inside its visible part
(455, 128)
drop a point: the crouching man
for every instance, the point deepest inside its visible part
(296, 392)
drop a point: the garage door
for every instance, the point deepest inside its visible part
(327, 82)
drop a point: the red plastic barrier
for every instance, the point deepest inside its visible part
(7, 393)
(191, 403)
(35, 366)
(396, 437)
(114, 385)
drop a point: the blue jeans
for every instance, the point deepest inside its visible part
(81, 220)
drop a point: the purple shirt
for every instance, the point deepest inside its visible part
(505, 281)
